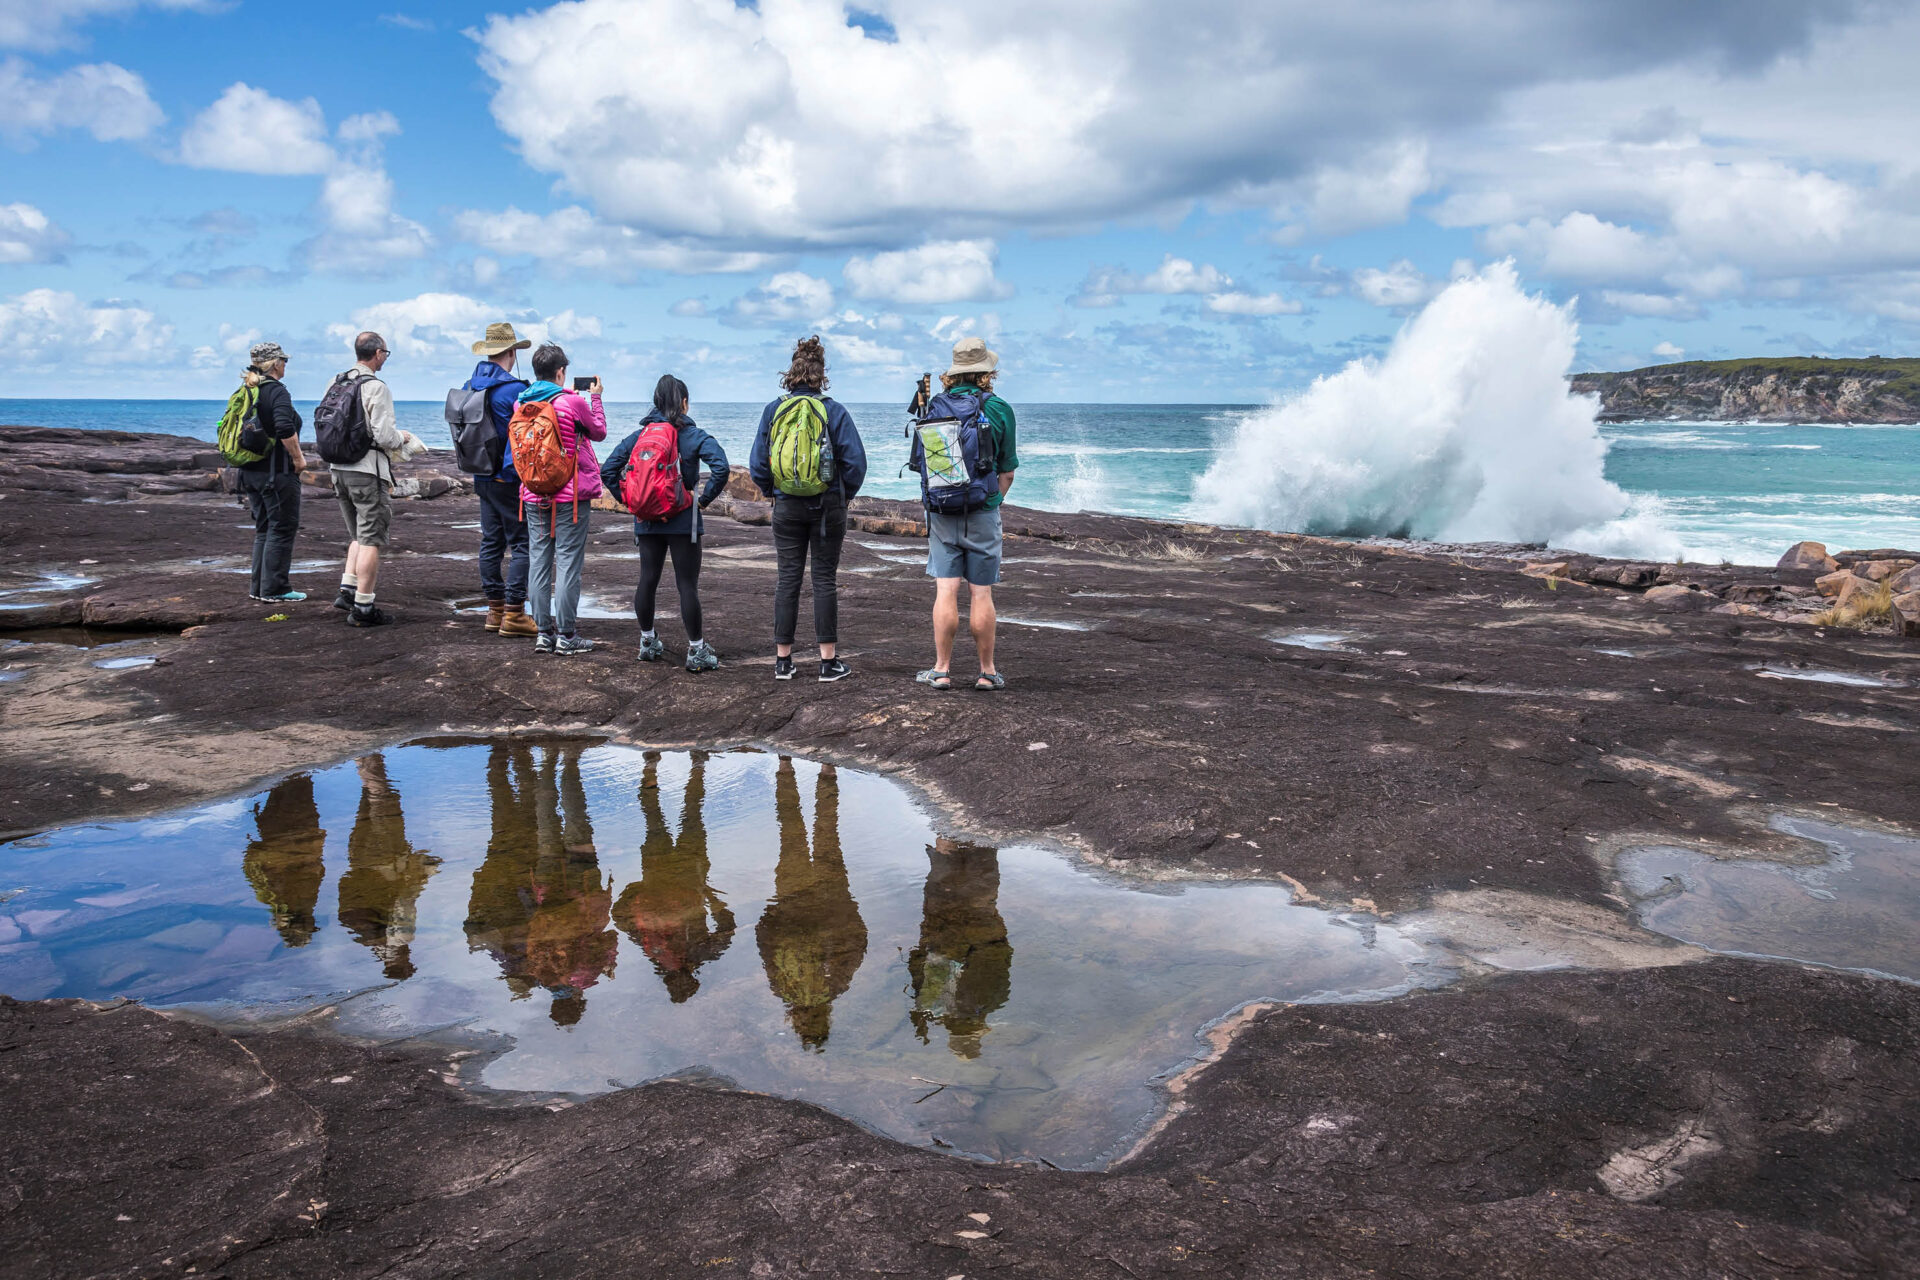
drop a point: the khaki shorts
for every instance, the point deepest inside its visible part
(366, 502)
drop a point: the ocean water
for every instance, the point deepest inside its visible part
(1705, 491)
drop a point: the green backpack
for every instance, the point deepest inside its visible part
(237, 423)
(799, 448)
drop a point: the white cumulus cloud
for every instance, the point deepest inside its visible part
(51, 328)
(29, 236)
(108, 101)
(1104, 286)
(435, 328)
(790, 297)
(248, 130)
(573, 241)
(49, 24)
(938, 271)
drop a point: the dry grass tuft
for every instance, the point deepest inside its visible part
(1170, 550)
(1861, 614)
(1520, 602)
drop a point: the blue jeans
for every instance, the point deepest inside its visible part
(556, 553)
(503, 538)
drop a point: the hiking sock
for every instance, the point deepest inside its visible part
(363, 599)
(648, 635)
(350, 581)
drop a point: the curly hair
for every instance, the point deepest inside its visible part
(809, 368)
(984, 381)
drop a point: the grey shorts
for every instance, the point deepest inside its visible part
(965, 546)
(366, 503)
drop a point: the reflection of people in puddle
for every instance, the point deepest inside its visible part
(963, 968)
(812, 938)
(283, 864)
(380, 892)
(671, 911)
(539, 906)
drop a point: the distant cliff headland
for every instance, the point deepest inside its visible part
(1797, 389)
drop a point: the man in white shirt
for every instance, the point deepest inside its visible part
(365, 486)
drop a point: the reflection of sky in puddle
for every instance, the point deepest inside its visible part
(126, 664)
(619, 915)
(1824, 677)
(79, 637)
(1616, 653)
(1052, 624)
(1858, 910)
(49, 581)
(1325, 641)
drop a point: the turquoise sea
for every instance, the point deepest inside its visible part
(1715, 491)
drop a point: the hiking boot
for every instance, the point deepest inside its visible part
(652, 648)
(701, 657)
(545, 643)
(569, 645)
(368, 615)
(496, 611)
(782, 668)
(343, 601)
(832, 669)
(516, 621)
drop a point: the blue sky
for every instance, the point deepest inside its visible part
(1209, 202)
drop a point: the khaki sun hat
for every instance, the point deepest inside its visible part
(970, 355)
(500, 338)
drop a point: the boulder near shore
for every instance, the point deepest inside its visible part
(1463, 741)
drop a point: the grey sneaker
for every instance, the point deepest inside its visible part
(545, 643)
(572, 645)
(701, 657)
(652, 648)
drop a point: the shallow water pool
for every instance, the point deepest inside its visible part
(612, 915)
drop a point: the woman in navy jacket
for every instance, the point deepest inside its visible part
(679, 535)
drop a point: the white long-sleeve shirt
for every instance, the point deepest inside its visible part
(376, 399)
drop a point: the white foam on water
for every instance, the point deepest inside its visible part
(1464, 432)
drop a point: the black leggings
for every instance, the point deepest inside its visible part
(654, 548)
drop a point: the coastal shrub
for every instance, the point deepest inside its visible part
(1169, 549)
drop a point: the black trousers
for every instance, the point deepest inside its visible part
(503, 538)
(802, 525)
(654, 550)
(274, 499)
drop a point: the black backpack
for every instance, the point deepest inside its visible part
(340, 423)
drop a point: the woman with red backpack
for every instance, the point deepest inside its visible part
(551, 436)
(655, 471)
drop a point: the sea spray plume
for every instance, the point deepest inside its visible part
(1464, 432)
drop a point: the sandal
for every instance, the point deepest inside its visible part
(989, 682)
(940, 681)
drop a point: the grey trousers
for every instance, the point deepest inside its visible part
(556, 554)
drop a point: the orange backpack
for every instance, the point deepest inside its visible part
(540, 455)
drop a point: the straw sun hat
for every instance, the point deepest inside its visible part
(500, 338)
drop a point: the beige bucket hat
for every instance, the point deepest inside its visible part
(500, 338)
(970, 355)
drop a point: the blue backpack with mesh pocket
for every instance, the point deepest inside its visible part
(954, 454)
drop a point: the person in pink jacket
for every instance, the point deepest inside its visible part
(557, 526)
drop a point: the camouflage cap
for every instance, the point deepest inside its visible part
(265, 353)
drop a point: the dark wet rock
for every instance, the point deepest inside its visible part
(1656, 1122)
(1614, 574)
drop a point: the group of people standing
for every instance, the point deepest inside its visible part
(536, 514)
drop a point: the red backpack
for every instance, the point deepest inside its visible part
(651, 485)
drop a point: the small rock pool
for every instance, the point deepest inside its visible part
(596, 916)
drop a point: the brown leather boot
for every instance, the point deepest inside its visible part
(517, 622)
(496, 610)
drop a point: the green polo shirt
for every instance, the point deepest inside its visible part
(1000, 415)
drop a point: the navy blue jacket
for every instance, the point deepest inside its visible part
(696, 446)
(849, 455)
(502, 390)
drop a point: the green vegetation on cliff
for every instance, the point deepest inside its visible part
(1786, 388)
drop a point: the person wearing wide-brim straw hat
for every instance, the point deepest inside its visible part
(501, 340)
(503, 534)
(963, 538)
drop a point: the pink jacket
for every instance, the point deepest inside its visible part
(582, 421)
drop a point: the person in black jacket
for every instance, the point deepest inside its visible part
(271, 486)
(677, 536)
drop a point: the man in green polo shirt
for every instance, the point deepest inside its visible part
(967, 545)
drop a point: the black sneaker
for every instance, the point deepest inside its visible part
(832, 669)
(782, 668)
(368, 615)
(342, 601)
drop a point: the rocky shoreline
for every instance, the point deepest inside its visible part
(1803, 389)
(1454, 739)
